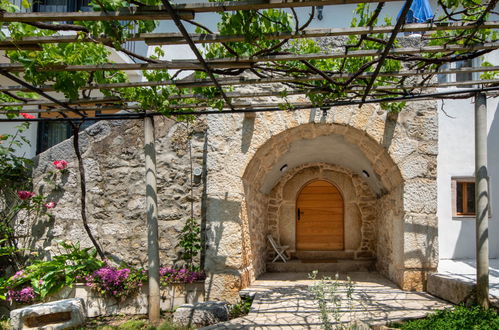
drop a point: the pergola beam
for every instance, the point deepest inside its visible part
(131, 13)
(184, 10)
(117, 103)
(271, 107)
(33, 43)
(248, 62)
(229, 81)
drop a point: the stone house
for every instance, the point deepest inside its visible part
(392, 185)
(250, 175)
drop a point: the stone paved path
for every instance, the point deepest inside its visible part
(284, 301)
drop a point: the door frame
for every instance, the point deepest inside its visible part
(296, 210)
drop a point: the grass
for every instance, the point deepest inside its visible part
(4, 324)
(129, 323)
(457, 318)
(116, 323)
(242, 308)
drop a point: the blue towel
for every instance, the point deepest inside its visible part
(420, 12)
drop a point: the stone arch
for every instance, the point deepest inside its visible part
(349, 150)
(262, 170)
(359, 200)
(398, 151)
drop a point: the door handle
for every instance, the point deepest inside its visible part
(299, 214)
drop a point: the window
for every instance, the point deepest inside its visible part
(460, 76)
(465, 197)
(51, 133)
(61, 5)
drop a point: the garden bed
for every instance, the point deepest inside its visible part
(97, 305)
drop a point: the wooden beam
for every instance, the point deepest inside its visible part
(177, 38)
(184, 10)
(264, 107)
(229, 81)
(207, 38)
(118, 103)
(248, 62)
(131, 13)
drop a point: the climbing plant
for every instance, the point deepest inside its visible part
(254, 25)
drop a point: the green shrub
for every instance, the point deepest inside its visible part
(457, 318)
(241, 308)
(46, 277)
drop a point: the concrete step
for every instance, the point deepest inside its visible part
(324, 255)
(340, 266)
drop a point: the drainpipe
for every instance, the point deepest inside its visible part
(482, 201)
(152, 220)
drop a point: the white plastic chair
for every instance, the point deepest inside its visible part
(279, 249)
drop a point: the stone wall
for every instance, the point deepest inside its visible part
(398, 152)
(115, 177)
(359, 201)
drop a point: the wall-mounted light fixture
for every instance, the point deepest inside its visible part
(197, 172)
(284, 168)
(365, 174)
(319, 12)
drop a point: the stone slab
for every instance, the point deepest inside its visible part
(451, 289)
(61, 314)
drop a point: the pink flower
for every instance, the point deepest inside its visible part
(50, 205)
(27, 115)
(23, 194)
(60, 164)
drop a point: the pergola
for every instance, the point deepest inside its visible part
(297, 73)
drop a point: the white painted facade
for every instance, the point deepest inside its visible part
(456, 158)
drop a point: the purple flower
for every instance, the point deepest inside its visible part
(23, 296)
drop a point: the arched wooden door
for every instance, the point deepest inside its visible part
(319, 218)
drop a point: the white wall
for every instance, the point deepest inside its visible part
(456, 157)
(27, 151)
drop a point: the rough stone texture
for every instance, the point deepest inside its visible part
(398, 223)
(285, 301)
(451, 289)
(61, 314)
(114, 164)
(201, 314)
(96, 305)
(391, 211)
(359, 200)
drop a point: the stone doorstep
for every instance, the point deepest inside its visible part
(449, 288)
(61, 314)
(341, 266)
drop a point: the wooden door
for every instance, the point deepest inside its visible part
(319, 218)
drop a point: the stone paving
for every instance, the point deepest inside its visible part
(284, 301)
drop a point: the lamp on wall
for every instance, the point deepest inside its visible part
(284, 168)
(365, 174)
(319, 12)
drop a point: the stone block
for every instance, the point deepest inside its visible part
(451, 289)
(61, 314)
(201, 314)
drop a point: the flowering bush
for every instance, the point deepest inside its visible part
(45, 277)
(24, 296)
(27, 115)
(60, 164)
(50, 205)
(182, 275)
(24, 195)
(118, 283)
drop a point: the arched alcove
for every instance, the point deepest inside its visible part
(391, 160)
